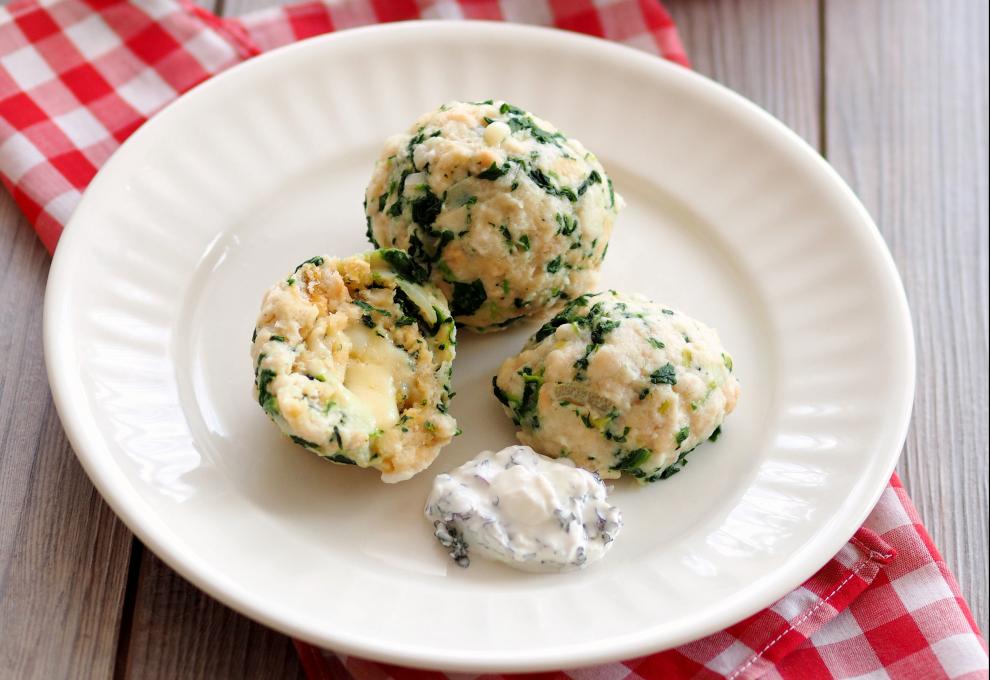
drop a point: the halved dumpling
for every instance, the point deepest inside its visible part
(353, 361)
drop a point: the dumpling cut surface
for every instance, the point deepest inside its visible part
(352, 360)
(619, 384)
(526, 510)
(507, 215)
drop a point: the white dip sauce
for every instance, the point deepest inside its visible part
(529, 511)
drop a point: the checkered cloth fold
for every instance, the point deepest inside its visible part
(885, 606)
(78, 76)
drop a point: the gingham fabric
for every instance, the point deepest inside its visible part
(885, 607)
(78, 76)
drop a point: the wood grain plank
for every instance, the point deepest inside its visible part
(63, 554)
(906, 125)
(767, 50)
(180, 632)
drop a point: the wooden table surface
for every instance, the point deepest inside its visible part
(892, 92)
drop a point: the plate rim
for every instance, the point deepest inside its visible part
(127, 504)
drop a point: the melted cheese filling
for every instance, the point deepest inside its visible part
(377, 375)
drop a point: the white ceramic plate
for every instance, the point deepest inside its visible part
(157, 282)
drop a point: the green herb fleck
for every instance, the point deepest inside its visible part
(522, 121)
(315, 261)
(368, 308)
(494, 171)
(541, 180)
(526, 411)
(593, 178)
(567, 223)
(303, 442)
(507, 235)
(501, 395)
(265, 377)
(403, 265)
(410, 310)
(426, 209)
(673, 468)
(665, 375)
(467, 298)
(368, 232)
(571, 313)
(632, 460)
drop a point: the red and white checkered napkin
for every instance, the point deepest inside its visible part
(885, 607)
(78, 76)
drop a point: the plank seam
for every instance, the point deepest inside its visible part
(127, 614)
